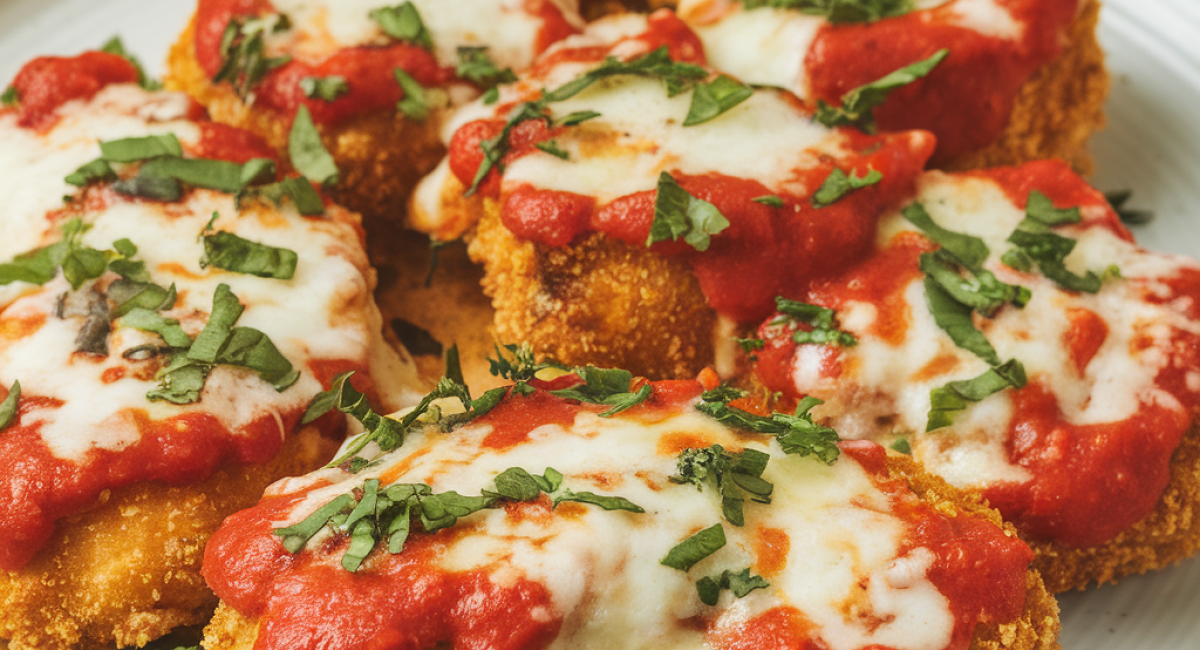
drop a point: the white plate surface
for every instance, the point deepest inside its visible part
(1151, 145)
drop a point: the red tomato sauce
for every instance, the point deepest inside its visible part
(368, 70)
(222, 142)
(395, 601)
(48, 82)
(967, 99)
(1089, 482)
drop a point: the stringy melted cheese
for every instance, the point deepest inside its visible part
(505, 27)
(891, 383)
(602, 567)
(782, 38)
(323, 313)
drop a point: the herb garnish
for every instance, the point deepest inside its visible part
(858, 105)
(78, 262)
(1118, 198)
(551, 147)
(8, 408)
(769, 200)
(219, 343)
(387, 514)
(415, 103)
(711, 99)
(10, 97)
(840, 11)
(230, 252)
(243, 62)
(476, 66)
(741, 584)
(403, 23)
(679, 214)
(686, 554)
(839, 184)
(953, 397)
(796, 433)
(1037, 245)
(734, 475)
(324, 88)
(820, 320)
(309, 155)
(658, 64)
(606, 386)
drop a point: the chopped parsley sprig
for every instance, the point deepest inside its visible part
(243, 58)
(796, 433)
(821, 323)
(734, 475)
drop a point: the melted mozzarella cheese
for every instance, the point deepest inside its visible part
(505, 27)
(602, 567)
(323, 313)
(890, 383)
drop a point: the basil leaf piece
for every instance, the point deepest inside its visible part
(838, 184)
(954, 318)
(769, 200)
(180, 382)
(150, 321)
(324, 88)
(741, 584)
(901, 445)
(297, 535)
(476, 66)
(687, 553)
(679, 214)
(495, 148)
(576, 118)
(10, 97)
(298, 189)
(797, 433)
(226, 310)
(129, 294)
(981, 291)
(220, 175)
(1040, 208)
(734, 475)
(308, 153)
(242, 49)
(711, 99)
(129, 150)
(387, 432)
(325, 401)
(362, 541)
(115, 46)
(230, 252)
(443, 510)
(1037, 245)
(97, 171)
(840, 11)
(625, 401)
(247, 347)
(516, 363)
(821, 320)
(605, 502)
(415, 104)
(517, 484)
(657, 64)
(551, 147)
(8, 408)
(967, 250)
(149, 185)
(402, 22)
(858, 105)
(946, 401)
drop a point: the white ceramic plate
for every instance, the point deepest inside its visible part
(1152, 146)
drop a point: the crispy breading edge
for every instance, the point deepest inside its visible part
(1036, 629)
(380, 156)
(128, 570)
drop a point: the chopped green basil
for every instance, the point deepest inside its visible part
(769, 200)
(476, 66)
(576, 118)
(308, 154)
(551, 147)
(858, 105)
(679, 214)
(606, 386)
(687, 553)
(134, 149)
(324, 88)
(734, 476)
(838, 184)
(227, 251)
(1037, 245)
(494, 149)
(821, 321)
(115, 46)
(840, 11)
(711, 99)
(954, 396)
(402, 22)
(8, 408)
(10, 97)
(606, 503)
(657, 64)
(415, 104)
(796, 433)
(97, 171)
(243, 61)
(741, 584)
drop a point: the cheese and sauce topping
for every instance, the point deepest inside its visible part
(840, 555)
(88, 361)
(1082, 450)
(356, 47)
(995, 46)
(559, 178)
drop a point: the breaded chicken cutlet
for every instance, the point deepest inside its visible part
(836, 544)
(162, 330)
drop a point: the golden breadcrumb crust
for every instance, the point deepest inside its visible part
(380, 155)
(1036, 629)
(128, 570)
(1169, 534)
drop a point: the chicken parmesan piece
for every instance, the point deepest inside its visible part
(625, 196)
(1009, 331)
(1024, 79)
(166, 314)
(599, 511)
(376, 79)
